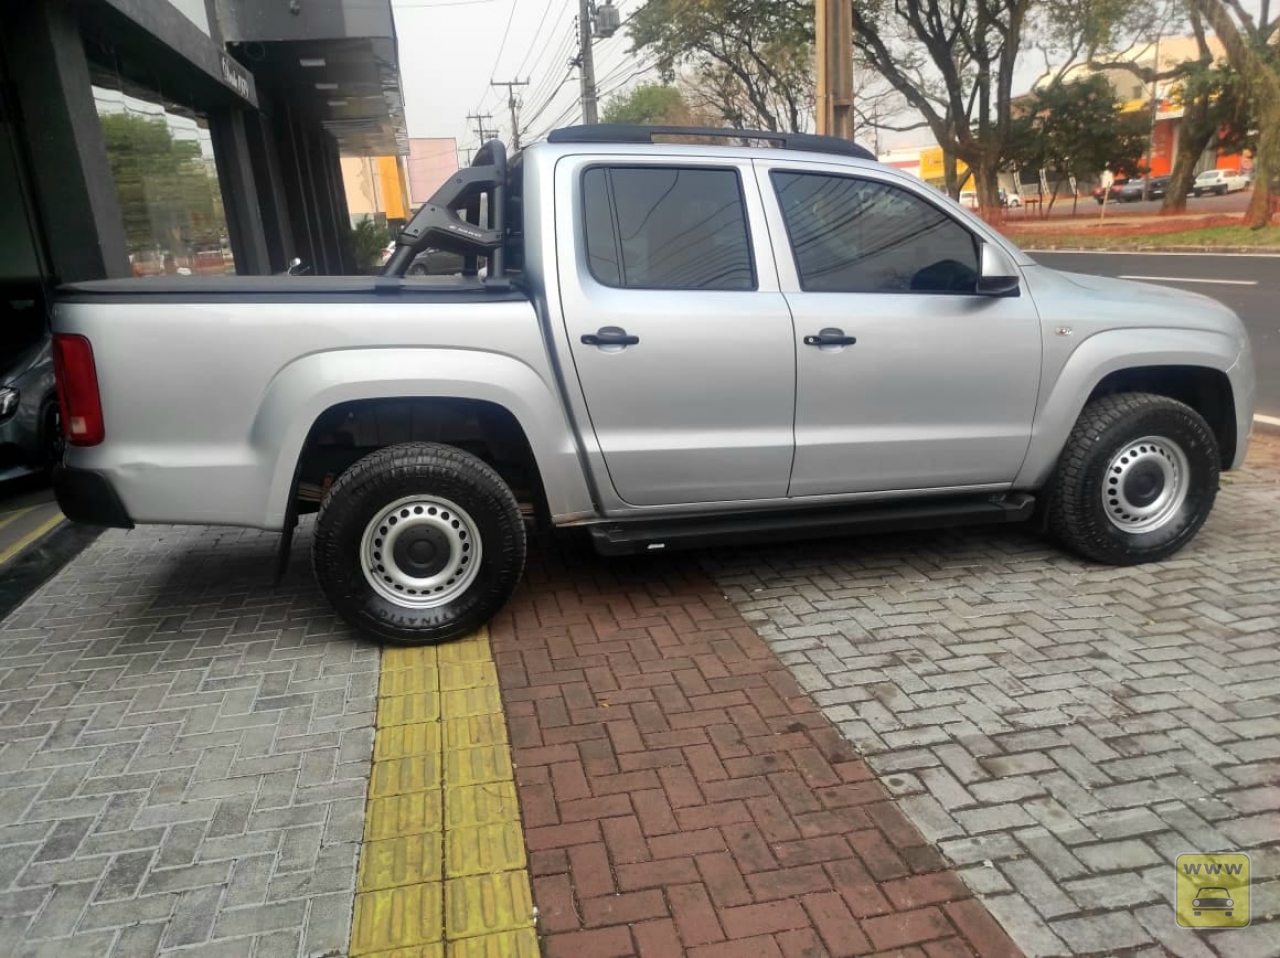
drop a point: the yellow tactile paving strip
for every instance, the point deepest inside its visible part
(443, 872)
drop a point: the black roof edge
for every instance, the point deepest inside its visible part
(624, 133)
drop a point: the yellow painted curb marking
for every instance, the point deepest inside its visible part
(39, 532)
(13, 515)
(443, 871)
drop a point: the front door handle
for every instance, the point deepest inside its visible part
(609, 336)
(830, 337)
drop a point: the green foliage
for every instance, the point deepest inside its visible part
(650, 104)
(750, 61)
(953, 61)
(167, 195)
(1224, 106)
(1075, 129)
(368, 239)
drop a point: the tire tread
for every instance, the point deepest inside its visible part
(1070, 513)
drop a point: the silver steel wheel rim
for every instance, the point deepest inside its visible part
(1146, 484)
(392, 559)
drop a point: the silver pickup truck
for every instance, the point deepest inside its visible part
(673, 344)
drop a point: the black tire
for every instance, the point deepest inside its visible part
(1079, 517)
(430, 470)
(1222, 191)
(52, 441)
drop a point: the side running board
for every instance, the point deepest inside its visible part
(628, 537)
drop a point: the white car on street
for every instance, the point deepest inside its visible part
(1220, 182)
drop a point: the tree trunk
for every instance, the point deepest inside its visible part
(1266, 165)
(1191, 146)
(986, 180)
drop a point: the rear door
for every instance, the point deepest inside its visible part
(907, 379)
(680, 337)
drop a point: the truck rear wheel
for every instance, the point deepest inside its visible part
(418, 543)
(1136, 481)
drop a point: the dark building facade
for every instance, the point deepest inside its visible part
(186, 136)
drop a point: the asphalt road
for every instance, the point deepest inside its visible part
(1248, 284)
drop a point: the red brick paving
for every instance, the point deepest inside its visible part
(682, 796)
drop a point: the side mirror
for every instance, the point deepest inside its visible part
(997, 273)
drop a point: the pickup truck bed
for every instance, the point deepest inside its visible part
(285, 288)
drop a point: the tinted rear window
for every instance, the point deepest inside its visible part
(667, 228)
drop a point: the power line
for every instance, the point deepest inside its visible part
(557, 61)
(511, 15)
(533, 43)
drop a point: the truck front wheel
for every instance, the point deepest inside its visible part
(417, 543)
(1136, 480)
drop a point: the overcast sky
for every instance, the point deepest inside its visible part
(449, 51)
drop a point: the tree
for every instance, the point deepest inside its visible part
(1212, 105)
(750, 62)
(1074, 129)
(167, 194)
(651, 103)
(1254, 59)
(953, 62)
(1214, 102)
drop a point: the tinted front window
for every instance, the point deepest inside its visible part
(859, 236)
(658, 228)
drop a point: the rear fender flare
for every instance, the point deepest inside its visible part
(302, 391)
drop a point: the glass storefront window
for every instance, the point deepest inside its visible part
(162, 161)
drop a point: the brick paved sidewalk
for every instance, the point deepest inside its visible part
(682, 795)
(1062, 730)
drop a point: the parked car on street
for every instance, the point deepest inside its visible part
(675, 345)
(1113, 192)
(1132, 191)
(30, 434)
(1220, 182)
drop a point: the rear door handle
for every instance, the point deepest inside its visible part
(610, 336)
(830, 337)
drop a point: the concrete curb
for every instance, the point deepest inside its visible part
(1222, 250)
(1266, 426)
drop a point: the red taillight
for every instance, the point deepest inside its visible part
(77, 390)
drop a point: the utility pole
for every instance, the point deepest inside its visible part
(834, 36)
(514, 106)
(480, 118)
(593, 22)
(586, 63)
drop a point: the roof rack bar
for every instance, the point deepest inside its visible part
(625, 133)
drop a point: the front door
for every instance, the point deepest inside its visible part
(681, 339)
(907, 378)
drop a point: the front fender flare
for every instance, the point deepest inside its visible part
(303, 390)
(1096, 358)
